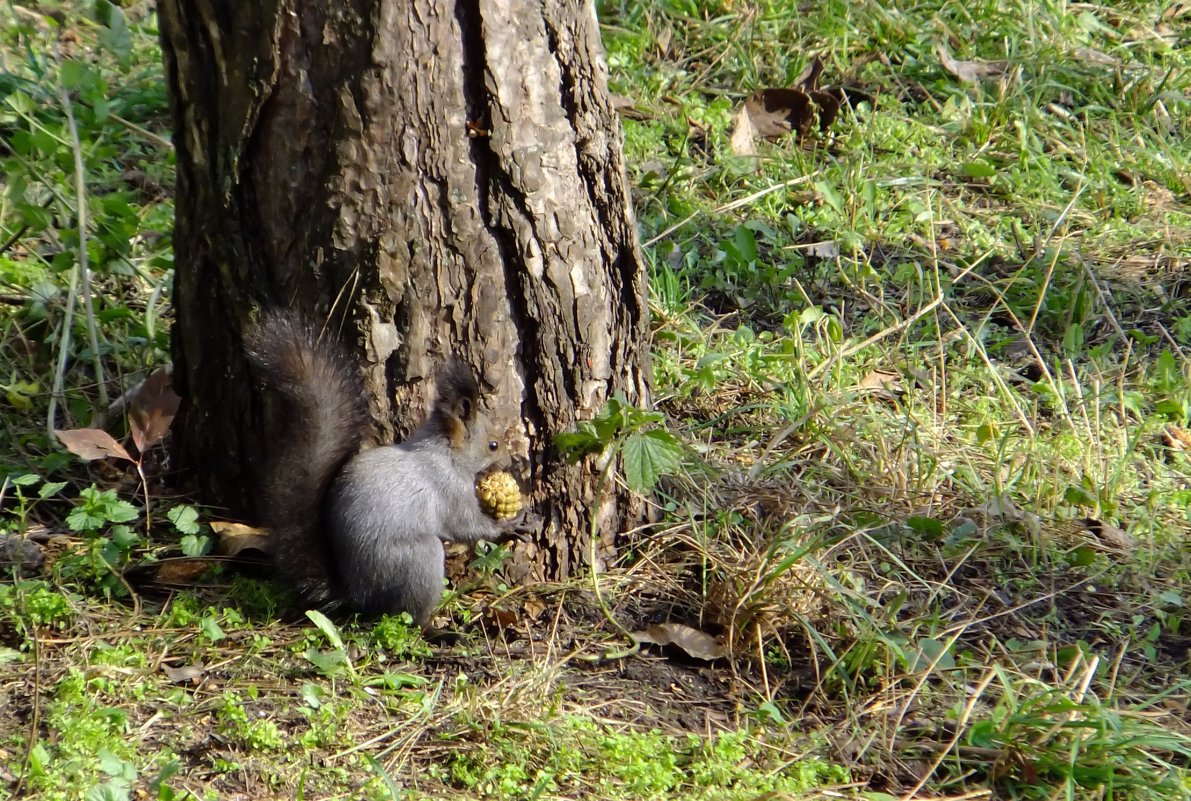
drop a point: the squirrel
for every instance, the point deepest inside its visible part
(363, 529)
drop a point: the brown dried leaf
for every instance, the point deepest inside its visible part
(744, 135)
(91, 443)
(808, 79)
(152, 410)
(624, 107)
(970, 71)
(829, 105)
(1008, 512)
(1092, 56)
(692, 642)
(533, 608)
(663, 40)
(1177, 11)
(1177, 438)
(773, 113)
(184, 571)
(186, 674)
(235, 538)
(881, 379)
(776, 112)
(1109, 535)
(501, 617)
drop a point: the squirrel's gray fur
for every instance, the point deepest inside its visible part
(364, 529)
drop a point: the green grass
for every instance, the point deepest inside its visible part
(930, 375)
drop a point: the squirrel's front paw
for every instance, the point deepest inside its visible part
(521, 527)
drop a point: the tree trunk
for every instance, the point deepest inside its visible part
(429, 178)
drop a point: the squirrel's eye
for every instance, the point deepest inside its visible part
(493, 446)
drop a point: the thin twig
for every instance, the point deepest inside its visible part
(156, 139)
(84, 265)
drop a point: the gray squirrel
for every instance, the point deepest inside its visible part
(364, 529)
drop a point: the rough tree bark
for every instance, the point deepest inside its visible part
(429, 177)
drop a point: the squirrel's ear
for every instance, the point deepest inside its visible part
(456, 431)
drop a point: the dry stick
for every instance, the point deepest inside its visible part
(160, 141)
(80, 189)
(735, 204)
(34, 717)
(63, 349)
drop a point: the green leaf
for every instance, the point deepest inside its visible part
(978, 169)
(648, 456)
(185, 518)
(983, 734)
(1078, 496)
(933, 652)
(1083, 556)
(195, 545)
(1073, 340)
(210, 627)
(81, 519)
(927, 526)
(830, 196)
(1171, 408)
(114, 790)
(114, 36)
(328, 663)
(50, 489)
(574, 445)
(312, 695)
(123, 537)
(325, 625)
(73, 74)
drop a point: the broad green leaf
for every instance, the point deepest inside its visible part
(648, 456)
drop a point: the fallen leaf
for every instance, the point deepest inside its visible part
(533, 608)
(1109, 535)
(152, 410)
(186, 674)
(691, 641)
(773, 113)
(776, 112)
(808, 79)
(234, 538)
(970, 71)
(881, 379)
(828, 249)
(502, 618)
(624, 107)
(663, 40)
(1009, 513)
(91, 443)
(1091, 56)
(744, 134)
(1177, 11)
(1177, 438)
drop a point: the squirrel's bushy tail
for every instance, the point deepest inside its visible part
(326, 417)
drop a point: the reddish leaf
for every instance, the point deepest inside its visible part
(92, 443)
(152, 409)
